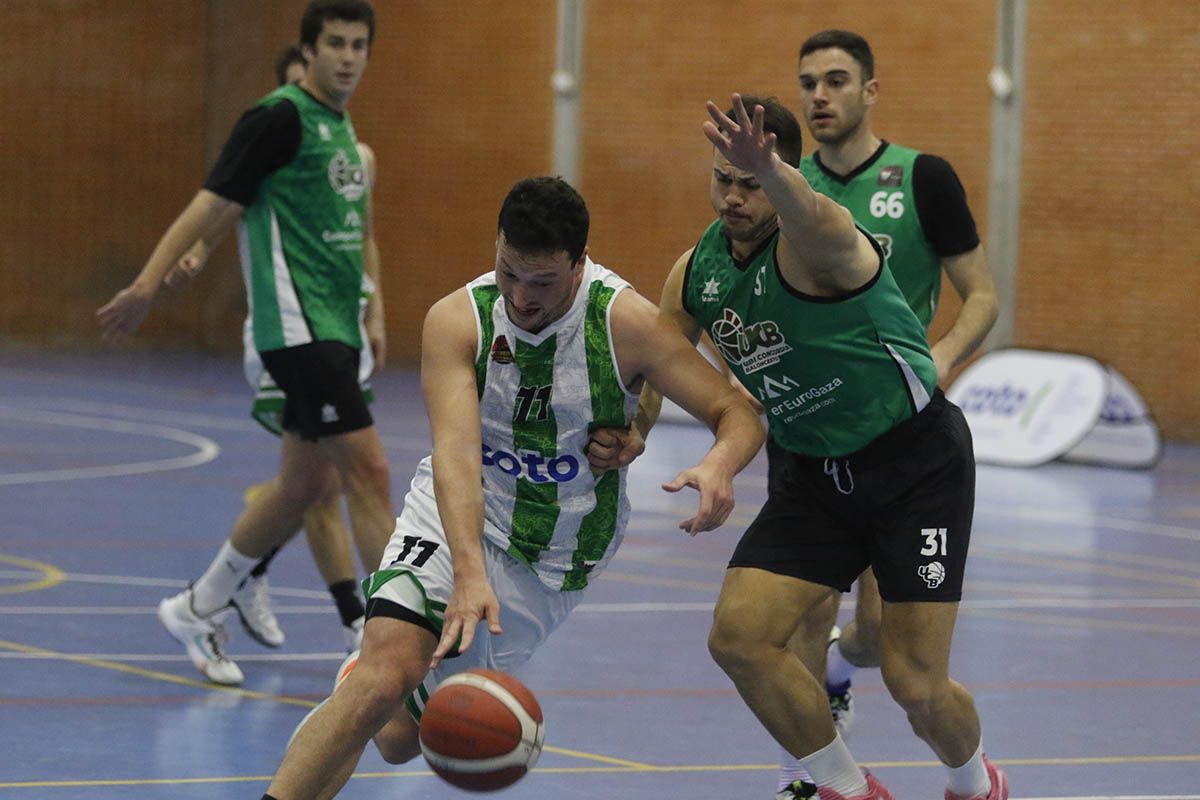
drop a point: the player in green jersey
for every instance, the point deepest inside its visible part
(327, 535)
(505, 521)
(870, 464)
(291, 171)
(915, 206)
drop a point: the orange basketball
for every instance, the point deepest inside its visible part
(482, 730)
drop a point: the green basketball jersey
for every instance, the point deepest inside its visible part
(540, 397)
(832, 373)
(880, 197)
(301, 239)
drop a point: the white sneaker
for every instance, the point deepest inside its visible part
(253, 605)
(202, 636)
(353, 634)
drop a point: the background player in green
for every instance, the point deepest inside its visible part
(518, 367)
(290, 169)
(915, 207)
(326, 532)
(872, 465)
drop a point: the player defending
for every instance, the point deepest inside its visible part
(519, 366)
(873, 466)
(292, 172)
(915, 206)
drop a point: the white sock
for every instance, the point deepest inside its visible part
(832, 767)
(838, 670)
(218, 583)
(790, 770)
(971, 779)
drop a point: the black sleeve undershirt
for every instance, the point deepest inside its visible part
(942, 207)
(265, 139)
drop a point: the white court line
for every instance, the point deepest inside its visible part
(198, 420)
(206, 449)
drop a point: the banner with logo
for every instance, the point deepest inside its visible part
(1027, 407)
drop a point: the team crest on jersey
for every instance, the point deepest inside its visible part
(751, 348)
(891, 175)
(346, 177)
(501, 353)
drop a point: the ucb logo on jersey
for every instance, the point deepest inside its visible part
(534, 466)
(346, 177)
(751, 348)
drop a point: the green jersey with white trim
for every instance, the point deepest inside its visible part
(301, 239)
(881, 199)
(832, 373)
(540, 397)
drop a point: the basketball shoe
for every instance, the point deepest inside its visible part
(353, 633)
(841, 699)
(803, 790)
(999, 790)
(203, 637)
(253, 606)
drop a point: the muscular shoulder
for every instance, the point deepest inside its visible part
(450, 325)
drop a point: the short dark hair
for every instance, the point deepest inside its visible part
(544, 215)
(777, 119)
(854, 45)
(319, 11)
(288, 56)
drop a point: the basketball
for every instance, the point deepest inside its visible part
(482, 730)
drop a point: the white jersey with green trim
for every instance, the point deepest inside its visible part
(540, 397)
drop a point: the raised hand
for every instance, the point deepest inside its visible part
(741, 139)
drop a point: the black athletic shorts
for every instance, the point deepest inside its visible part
(902, 505)
(320, 382)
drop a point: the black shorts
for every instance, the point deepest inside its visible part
(902, 505)
(320, 382)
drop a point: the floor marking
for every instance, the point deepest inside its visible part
(42, 575)
(206, 449)
(201, 420)
(159, 676)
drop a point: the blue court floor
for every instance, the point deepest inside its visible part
(121, 473)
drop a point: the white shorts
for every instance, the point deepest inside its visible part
(417, 574)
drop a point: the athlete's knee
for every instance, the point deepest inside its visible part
(736, 648)
(397, 742)
(916, 687)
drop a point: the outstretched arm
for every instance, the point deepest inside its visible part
(451, 401)
(649, 345)
(202, 218)
(821, 250)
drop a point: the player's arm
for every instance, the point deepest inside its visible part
(972, 279)
(375, 320)
(192, 263)
(649, 345)
(821, 251)
(613, 448)
(448, 345)
(201, 220)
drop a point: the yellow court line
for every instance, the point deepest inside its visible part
(51, 575)
(165, 677)
(616, 769)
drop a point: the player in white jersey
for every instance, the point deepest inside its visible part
(506, 517)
